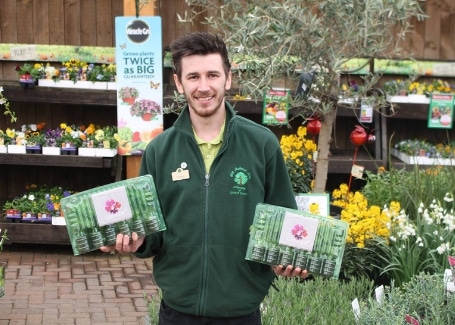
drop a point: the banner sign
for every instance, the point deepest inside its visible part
(139, 82)
(440, 113)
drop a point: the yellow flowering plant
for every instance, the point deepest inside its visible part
(365, 224)
(70, 134)
(404, 87)
(298, 154)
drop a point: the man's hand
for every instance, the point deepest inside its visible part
(124, 244)
(290, 271)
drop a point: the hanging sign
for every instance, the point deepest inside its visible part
(276, 106)
(139, 82)
(366, 111)
(440, 113)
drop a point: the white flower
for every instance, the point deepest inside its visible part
(31, 197)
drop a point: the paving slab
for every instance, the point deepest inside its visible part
(47, 284)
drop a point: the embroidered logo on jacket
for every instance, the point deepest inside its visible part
(240, 176)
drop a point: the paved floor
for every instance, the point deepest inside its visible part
(47, 284)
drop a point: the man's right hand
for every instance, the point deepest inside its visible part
(124, 244)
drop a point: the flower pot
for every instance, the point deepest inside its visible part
(129, 100)
(34, 149)
(147, 116)
(51, 151)
(87, 152)
(103, 152)
(15, 148)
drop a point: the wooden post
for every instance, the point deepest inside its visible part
(146, 8)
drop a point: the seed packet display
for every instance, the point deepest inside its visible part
(95, 217)
(282, 236)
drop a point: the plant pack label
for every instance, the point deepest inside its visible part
(298, 231)
(112, 206)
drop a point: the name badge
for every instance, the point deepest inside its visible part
(180, 174)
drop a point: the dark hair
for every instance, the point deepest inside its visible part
(198, 43)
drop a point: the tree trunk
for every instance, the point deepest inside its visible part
(322, 165)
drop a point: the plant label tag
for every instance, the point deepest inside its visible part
(379, 293)
(298, 231)
(366, 112)
(112, 206)
(356, 308)
(357, 171)
(180, 174)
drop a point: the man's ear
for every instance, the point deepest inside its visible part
(178, 84)
(227, 84)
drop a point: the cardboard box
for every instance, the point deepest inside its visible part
(281, 236)
(95, 217)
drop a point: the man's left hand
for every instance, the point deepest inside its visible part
(290, 271)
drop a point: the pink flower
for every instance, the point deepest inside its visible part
(112, 206)
(299, 232)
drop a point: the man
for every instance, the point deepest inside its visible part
(210, 169)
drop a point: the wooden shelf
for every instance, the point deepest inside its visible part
(44, 233)
(15, 93)
(57, 161)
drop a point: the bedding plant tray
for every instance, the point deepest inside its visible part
(94, 217)
(282, 236)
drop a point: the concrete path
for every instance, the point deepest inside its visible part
(49, 285)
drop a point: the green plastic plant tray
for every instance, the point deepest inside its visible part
(282, 236)
(95, 217)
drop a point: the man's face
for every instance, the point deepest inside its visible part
(203, 83)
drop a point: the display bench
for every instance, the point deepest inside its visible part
(29, 233)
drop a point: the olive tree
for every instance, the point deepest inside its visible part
(311, 38)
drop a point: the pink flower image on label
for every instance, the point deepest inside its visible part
(299, 232)
(112, 206)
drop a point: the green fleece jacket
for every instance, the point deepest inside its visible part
(199, 260)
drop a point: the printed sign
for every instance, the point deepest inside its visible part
(276, 107)
(440, 113)
(139, 82)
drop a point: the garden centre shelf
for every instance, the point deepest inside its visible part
(29, 233)
(58, 161)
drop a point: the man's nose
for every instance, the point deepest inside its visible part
(203, 84)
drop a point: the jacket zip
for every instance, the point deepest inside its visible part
(205, 249)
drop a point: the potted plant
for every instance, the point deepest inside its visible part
(29, 74)
(34, 138)
(106, 140)
(100, 72)
(128, 94)
(145, 108)
(88, 145)
(51, 146)
(70, 139)
(4, 141)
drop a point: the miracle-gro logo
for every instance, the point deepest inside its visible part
(138, 31)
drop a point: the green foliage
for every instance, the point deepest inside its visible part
(363, 263)
(317, 301)
(423, 298)
(410, 188)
